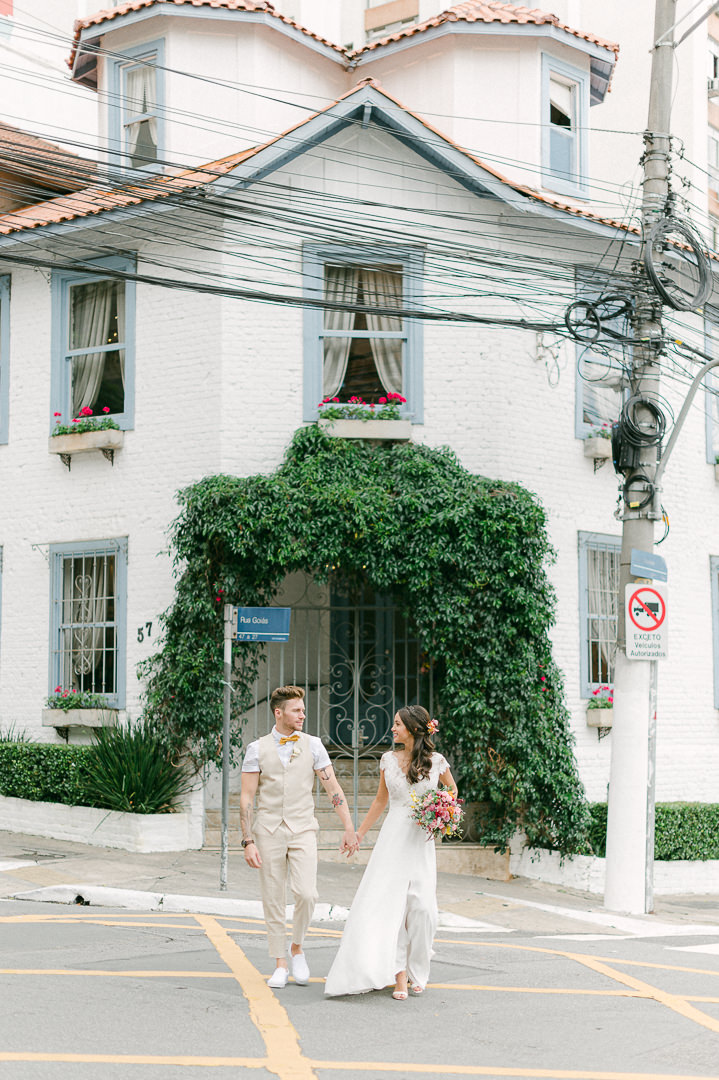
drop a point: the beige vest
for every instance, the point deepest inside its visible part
(286, 794)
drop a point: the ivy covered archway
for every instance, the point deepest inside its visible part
(465, 556)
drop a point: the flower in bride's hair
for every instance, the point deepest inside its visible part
(432, 726)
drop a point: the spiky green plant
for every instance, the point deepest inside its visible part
(132, 769)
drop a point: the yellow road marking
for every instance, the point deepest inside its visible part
(140, 1059)
(406, 1067)
(672, 1001)
(569, 955)
(109, 974)
(359, 1066)
(284, 1056)
(481, 987)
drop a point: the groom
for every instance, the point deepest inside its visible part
(280, 769)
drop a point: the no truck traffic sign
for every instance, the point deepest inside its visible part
(646, 621)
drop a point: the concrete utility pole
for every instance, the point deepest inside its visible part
(630, 826)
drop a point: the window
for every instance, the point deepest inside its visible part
(601, 365)
(358, 353)
(565, 120)
(713, 60)
(714, 569)
(135, 96)
(711, 390)
(4, 356)
(598, 590)
(93, 334)
(87, 618)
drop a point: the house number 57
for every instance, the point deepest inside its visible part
(142, 630)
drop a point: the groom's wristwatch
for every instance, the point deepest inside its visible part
(246, 842)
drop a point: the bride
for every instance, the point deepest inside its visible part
(390, 928)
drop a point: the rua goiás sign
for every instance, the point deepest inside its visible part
(646, 621)
(262, 624)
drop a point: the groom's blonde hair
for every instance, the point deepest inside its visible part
(283, 694)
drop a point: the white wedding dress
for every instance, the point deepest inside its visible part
(393, 917)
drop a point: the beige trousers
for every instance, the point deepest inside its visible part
(286, 854)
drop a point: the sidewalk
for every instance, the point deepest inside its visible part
(41, 869)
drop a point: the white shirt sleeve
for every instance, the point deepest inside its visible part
(319, 753)
(252, 757)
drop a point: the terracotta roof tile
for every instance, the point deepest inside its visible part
(487, 11)
(27, 155)
(107, 14)
(96, 200)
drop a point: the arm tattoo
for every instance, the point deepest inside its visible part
(326, 774)
(337, 799)
(246, 822)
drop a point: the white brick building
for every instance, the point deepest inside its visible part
(432, 157)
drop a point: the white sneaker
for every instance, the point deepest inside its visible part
(300, 970)
(278, 978)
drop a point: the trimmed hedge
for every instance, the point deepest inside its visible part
(44, 772)
(129, 769)
(681, 831)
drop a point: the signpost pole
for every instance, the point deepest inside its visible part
(627, 826)
(227, 686)
(651, 785)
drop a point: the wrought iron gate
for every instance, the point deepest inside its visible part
(358, 660)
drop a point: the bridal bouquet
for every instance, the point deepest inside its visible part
(439, 812)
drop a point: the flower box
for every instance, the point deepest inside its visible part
(107, 441)
(599, 717)
(598, 448)
(87, 718)
(399, 430)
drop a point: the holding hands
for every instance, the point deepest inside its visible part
(350, 843)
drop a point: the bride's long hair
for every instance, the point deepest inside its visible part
(416, 720)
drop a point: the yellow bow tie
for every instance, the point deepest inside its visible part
(289, 738)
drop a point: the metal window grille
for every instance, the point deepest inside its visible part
(601, 629)
(87, 643)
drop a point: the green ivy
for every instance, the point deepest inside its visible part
(681, 830)
(464, 557)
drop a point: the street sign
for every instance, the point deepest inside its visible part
(261, 624)
(646, 621)
(645, 564)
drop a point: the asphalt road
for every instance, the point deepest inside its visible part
(94, 993)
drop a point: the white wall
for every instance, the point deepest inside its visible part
(36, 92)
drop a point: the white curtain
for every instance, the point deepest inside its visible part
(383, 288)
(86, 584)
(341, 285)
(602, 583)
(140, 101)
(93, 307)
(120, 296)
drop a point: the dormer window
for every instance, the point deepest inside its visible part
(139, 107)
(565, 104)
(136, 88)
